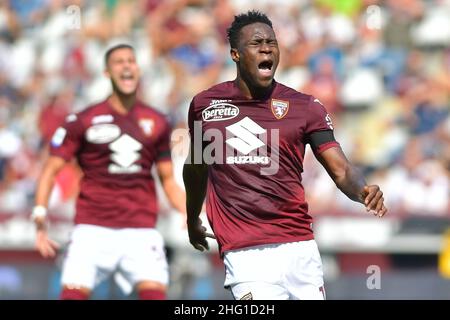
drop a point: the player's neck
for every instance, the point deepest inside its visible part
(122, 103)
(251, 92)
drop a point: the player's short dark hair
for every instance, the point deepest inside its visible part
(114, 48)
(243, 20)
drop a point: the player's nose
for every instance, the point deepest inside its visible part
(265, 48)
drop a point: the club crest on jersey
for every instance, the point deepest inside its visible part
(71, 118)
(279, 108)
(147, 126)
(220, 112)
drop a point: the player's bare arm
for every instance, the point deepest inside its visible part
(174, 193)
(195, 178)
(351, 181)
(46, 247)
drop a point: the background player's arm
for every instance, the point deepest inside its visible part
(195, 178)
(174, 193)
(53, 165)
(351, 181)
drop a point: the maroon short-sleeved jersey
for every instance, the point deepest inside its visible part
(116, 153)
(255, 195)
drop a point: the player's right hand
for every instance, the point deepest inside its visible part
(46, 246)
(197, 235)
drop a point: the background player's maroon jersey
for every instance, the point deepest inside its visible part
(116, 153)
(245, 206)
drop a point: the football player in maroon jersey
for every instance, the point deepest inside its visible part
(252, 182)
(116, 143)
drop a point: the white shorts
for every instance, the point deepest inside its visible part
(286, 271)
(133, 254)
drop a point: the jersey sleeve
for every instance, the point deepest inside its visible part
(192, 118)
(319, 120)
(195, 133)
(67, 139)
(162, 146)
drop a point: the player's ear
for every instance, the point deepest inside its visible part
(234, 54)
(106, 73)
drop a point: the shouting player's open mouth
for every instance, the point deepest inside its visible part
(127, 78)
(265, 68)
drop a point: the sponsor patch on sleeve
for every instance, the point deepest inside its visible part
(58, 137)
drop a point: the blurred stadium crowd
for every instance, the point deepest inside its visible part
(382, 69)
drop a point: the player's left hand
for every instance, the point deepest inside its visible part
(373, 200)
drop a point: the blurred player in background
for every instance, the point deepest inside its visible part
(116, 142)
(255, 199)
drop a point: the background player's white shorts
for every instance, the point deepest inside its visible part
(95, 252)
(275, 272)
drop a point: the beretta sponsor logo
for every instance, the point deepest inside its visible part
(220, 112)
(102, 133)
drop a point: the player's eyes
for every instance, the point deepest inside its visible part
(260, 42)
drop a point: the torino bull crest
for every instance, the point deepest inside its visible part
(279, 108)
